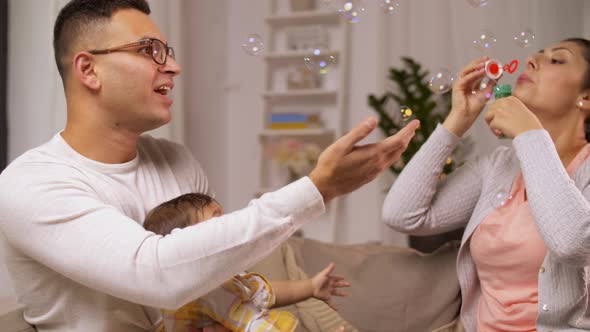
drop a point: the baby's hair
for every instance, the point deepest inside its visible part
(175, 213)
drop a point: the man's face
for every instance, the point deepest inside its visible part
(134, 90)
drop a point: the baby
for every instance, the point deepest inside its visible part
(245, 302)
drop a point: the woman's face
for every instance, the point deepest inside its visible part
(552, 81)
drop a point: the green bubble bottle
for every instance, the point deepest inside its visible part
(502, 90)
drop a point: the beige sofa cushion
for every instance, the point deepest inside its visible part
(393, 288)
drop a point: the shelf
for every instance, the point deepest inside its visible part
(315, 95)
(295, 56)
(304, 17)
(318, 132)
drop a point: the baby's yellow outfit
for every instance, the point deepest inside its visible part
(241, 304)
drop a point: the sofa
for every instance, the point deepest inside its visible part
(393, 288)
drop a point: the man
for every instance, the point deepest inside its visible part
(69, 209)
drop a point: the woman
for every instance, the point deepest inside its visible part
(526, 247)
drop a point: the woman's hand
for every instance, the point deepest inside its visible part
(510, 117)
(466, 105)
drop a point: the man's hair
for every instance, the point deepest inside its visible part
(176, 213)
(77, 19)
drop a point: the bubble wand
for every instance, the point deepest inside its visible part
(494, 70)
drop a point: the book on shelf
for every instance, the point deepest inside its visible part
(293, 121)
(292, 125)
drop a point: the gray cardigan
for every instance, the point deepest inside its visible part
(419, 204)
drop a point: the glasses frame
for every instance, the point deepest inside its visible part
(169, 51)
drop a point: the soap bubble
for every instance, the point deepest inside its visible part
(389, 6)
(500, 199)
(319, 62)
(524, 38)
(253, 44)
(482, 85)
(485, 41)
(407, 113)
(441, 82)
(478, 3)
(349, 9)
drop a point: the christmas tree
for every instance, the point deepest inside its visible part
(412, 91)
(413, 98)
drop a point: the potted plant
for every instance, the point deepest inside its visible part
(411, 89)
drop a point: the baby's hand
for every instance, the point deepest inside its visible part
(325, 284)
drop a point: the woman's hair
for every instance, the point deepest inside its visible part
(585, 46)
(176, 213)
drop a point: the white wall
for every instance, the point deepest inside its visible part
(206, 73)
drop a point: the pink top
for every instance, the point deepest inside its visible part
(508, 253)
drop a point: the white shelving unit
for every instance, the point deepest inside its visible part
(328, 101)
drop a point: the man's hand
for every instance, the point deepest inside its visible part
(325, 285)
(344, 166)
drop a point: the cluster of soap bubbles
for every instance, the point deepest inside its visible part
(500, 199)
(524, 38)
(389, 7)
(442, 81)
(351, 10)
(253, 44)
(478, 3)
(319, 61)
(485, 41)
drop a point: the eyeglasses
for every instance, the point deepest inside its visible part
(159, 51)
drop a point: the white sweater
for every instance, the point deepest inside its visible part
(79, 258)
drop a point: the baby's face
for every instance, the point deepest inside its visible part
(211, 210)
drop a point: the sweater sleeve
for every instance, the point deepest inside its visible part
(560, 209)
(64, 226)
(419, 204)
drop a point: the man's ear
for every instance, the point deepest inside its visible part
(85, 70)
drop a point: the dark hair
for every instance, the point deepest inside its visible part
(585, 45)
(176, 213)
(77, 19)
